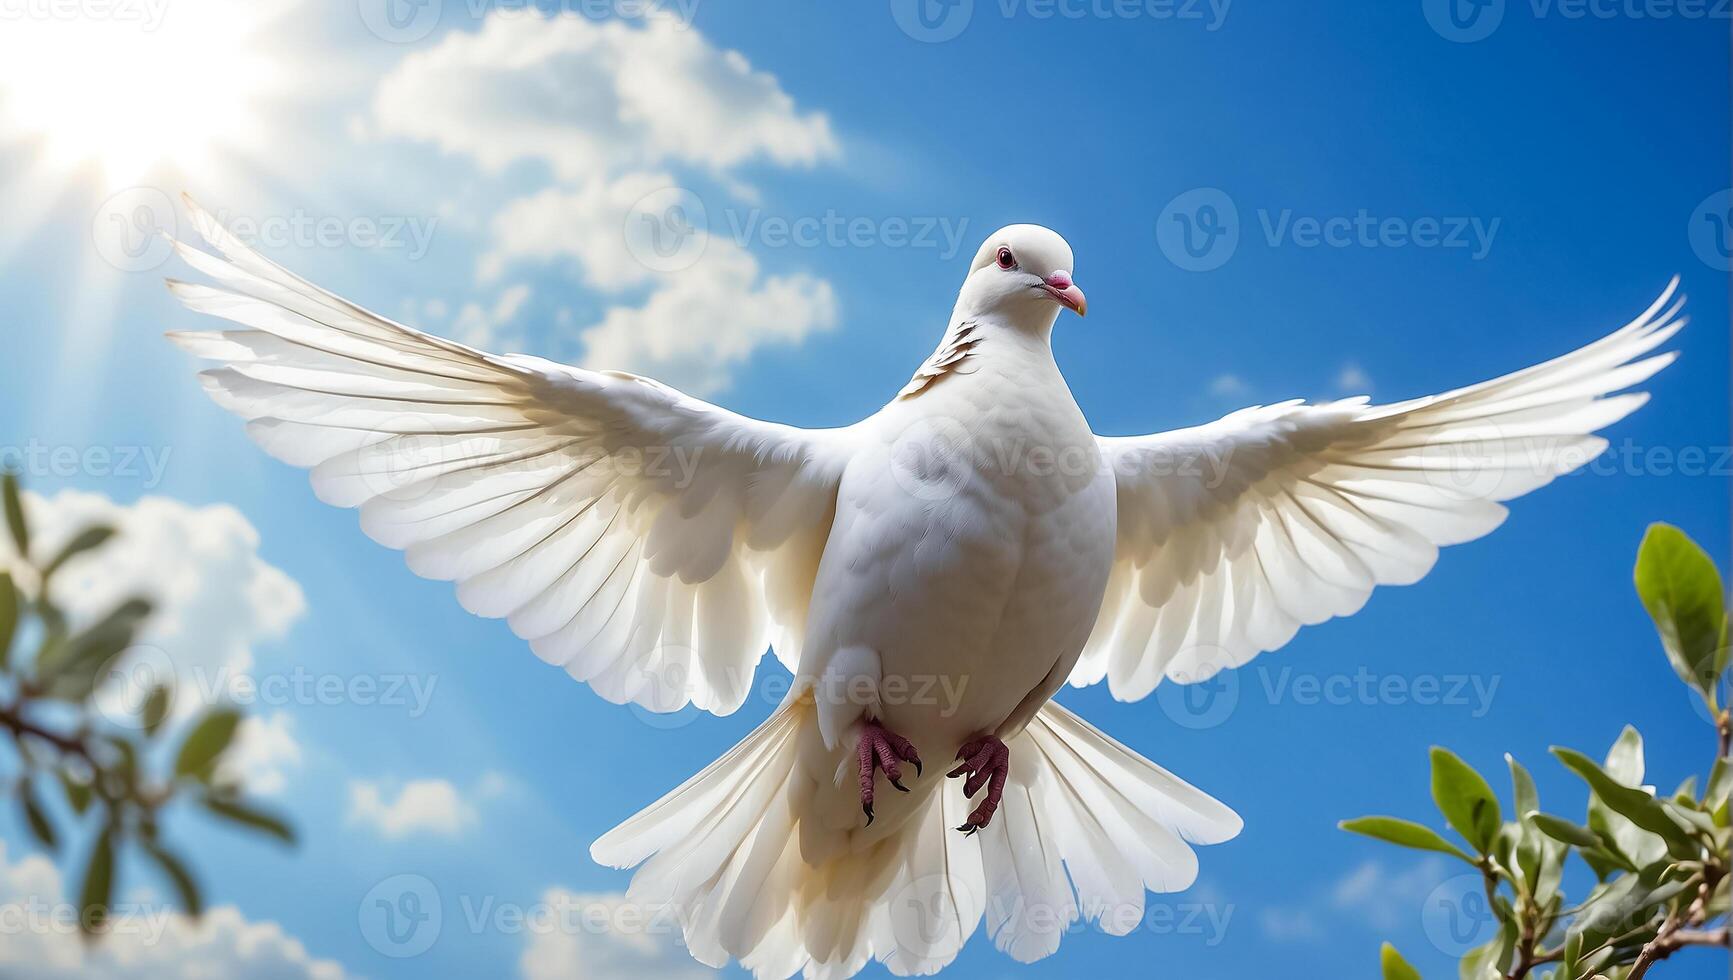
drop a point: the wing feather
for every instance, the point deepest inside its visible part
(1234, 534)
(648, 542)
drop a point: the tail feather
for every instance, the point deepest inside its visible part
(1086, 827)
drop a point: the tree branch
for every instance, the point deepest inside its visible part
(12, 718)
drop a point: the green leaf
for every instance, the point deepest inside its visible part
(206, 742)
(126, 768)
(77, 793)
(1465, 799)
(40, 827)
(1720, 781)
(1405, 833)
(156, 705)
(8, 617)
(1680, 587)
(1563, 830)
(247, 816)
(1552, 865)
(1625, 759)
(1633, 804)
(1484, 962)
(91, 537)
(1395, 967)
(176, 871)
(75, 669)
(1573, 954)
(1522, 786)
(98, 884)
(15, 514)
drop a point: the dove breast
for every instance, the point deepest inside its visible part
(973, 537)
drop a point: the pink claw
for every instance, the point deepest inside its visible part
(987, 761)
(880, 748)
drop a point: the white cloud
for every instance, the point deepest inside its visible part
(1370, 894)
(148, 941)
(1352, 379)
(709, 319)
(425, 806)
(602, 936)
(589, 97)
(1227, 384)
(264, 750)
(699, 322)
(608, 106)
(586, 224)
(214, 597)
(486, 328)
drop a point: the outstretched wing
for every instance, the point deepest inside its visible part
(650, 543)
(1234, 534)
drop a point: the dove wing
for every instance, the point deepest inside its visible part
(650, 543)
(1234, 534)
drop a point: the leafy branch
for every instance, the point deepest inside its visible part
(1661, 863)
(69, 763)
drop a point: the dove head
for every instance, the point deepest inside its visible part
(1021, 275)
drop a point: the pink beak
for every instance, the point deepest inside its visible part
(1066, 293)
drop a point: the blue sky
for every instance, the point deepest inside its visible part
(1528, 190)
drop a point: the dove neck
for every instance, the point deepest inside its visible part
(1025, 324)
(974, 341)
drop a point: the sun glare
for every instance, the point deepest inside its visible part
(149, 83)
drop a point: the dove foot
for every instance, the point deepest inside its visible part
(881, 748)
(986, 761)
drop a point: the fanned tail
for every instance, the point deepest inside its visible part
(1086, 827)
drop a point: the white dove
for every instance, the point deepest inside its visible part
(931, 575)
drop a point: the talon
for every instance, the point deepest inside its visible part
(878, 750)
(987, 764)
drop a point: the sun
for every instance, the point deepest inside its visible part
(133, 84)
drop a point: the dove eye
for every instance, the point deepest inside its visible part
(1005, 259)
